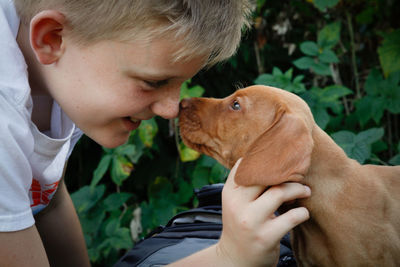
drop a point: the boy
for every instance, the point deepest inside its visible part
(101, 67)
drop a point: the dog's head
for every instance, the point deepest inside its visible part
(271, 129)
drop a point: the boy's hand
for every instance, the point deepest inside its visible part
(251, 232)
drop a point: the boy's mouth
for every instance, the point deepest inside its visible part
(131, 123)
(134, 120)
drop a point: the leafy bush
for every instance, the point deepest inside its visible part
(341, 57)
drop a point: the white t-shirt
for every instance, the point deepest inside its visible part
(31, 162)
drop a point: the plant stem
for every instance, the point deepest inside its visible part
(378, 160)
(396, 127)
(260, 67)
(389, 134)
(124, 205)
(353, 55)
(338, 80)
(174, 124)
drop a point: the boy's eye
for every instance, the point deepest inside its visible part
(235, 105)
(156, 84)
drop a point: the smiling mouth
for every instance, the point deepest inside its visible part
(131, 124)
(133, 120)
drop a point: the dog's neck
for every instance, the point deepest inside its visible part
(330, 159)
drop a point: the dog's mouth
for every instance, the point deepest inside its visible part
(201, 147)
(193, 135)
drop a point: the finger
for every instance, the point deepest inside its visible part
(246, 193)
(276, 195)
(230, 181)
(284, 223)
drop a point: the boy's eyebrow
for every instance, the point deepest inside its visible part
(149, 75)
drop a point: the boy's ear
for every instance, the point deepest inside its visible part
(46, 35)
(281, 154)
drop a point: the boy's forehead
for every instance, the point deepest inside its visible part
(156, 59)
(165, 71)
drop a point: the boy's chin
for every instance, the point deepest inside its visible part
(111, 142)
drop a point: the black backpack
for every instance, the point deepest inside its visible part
(187, 233)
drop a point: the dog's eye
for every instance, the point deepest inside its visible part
(235, 105)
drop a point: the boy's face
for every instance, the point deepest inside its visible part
(109, 87)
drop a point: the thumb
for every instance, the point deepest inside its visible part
(230, 181)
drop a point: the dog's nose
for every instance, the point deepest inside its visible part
(185, 103)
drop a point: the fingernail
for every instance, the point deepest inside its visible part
(308, 189)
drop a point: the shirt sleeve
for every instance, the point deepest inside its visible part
(16, 144)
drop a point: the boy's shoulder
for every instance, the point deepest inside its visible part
(7, 10)
(14, 84)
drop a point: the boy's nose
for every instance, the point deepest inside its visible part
(168, 107)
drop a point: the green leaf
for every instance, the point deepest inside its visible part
(383, 94)
(200, 177)
(373, 82)
(328, 56)
(329, 36)
(379, 146)
(265, 79)
(277, 72)
(206, 161)
(391, 92)
(147, 131)
(160, 188)
(334, 92)
(321, 117)
(329, 97)
(163, 202)
(86, 197)
(366, 16)
(370, 107)
(121, 168)
(377, 107)
(184, 194)
(164, 209)
(346, 140)
(148, 222)
(309, 48)
(218, 173)
(195, 91)
(91, 223)
(187, 154)
(358, 146)
(126, 150)
(321, 68)
(116, 200)
(288, 74)
(389, 53)
(282, 80)
(101, 169)
(122, 239)
(304, 63)
(361, 152)
(260, 4)
(344, 137)
(112, 226)
(395, 160)
(369, 136)
(322, 5)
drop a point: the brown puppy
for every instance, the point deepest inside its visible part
(355, 209)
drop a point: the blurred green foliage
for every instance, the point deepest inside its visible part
(341, 56)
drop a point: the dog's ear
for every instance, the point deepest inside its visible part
(282, 153)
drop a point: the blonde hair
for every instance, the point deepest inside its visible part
(210, 28)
